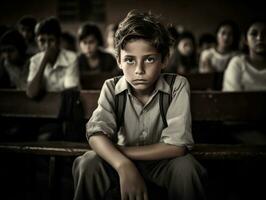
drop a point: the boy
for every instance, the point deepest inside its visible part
(145, 150)
(26, 26)
(13, 61)
(53, 69)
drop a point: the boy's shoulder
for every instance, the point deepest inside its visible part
(37, 57)
(178, 81)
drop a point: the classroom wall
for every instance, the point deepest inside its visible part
(198, 16)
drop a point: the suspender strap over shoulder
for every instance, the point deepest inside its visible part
(120, 104)
(165, 99)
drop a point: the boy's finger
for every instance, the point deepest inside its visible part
(145, 196)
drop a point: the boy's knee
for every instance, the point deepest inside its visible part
(85, 163)
(187, 166)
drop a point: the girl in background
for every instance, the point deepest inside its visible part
(216, 59)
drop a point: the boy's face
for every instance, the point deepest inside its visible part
(141, 64)
(10, 54)
(89, 45)
(46, 41)
(26, 32)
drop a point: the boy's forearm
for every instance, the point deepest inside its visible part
(109, 152)
(34, 87)
(153, 152)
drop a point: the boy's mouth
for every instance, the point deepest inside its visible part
(139, 81)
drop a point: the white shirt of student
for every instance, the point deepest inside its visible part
(217, 60)
(242, 76)
(62, 75)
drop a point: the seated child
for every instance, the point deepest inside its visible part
(142, 147)
(13, 62)
(216, 59)
(248, 72)
(53, 69)
(93, 59)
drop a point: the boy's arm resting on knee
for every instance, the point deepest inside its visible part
(104, 147)
(156, 151)
(131, 182)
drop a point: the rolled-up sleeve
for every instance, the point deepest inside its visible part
(232, 76)
(103, 118)
(178, 117)
(33, 67)
(72, 75)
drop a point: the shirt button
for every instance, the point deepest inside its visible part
(144, 134)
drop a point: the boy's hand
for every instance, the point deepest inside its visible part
(50, 55)
(132, 184)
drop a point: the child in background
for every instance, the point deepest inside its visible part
(248, 72)
(216, 59)
(142, 148)
(206, 41)
(26, 26)
(68, 41)
(184, 59)
(110, 37)
(14, 62)
(53, 69)
(93, 59)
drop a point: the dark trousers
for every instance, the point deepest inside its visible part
(183, 177)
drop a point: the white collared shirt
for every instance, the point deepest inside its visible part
(62, 75)
(242, 76)
(143, 125)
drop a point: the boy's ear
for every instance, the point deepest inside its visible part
(165, 62)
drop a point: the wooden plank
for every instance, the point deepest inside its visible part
(206, 81)
(228, 106)
(15, 103)
(205, 105)
(94, 81)
(201, 151)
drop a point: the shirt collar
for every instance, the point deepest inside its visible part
(61, 60)
(161, 85)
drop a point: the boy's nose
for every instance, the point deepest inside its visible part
(139, 68)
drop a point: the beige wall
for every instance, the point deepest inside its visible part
(198, 15)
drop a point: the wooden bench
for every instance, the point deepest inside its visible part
(207, 81)
(219, 107)
(208, 106)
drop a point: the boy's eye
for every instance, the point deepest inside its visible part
(150, 59)
(129, 61)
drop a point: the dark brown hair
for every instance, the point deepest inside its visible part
(145, 26)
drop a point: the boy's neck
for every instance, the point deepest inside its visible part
(143, 96)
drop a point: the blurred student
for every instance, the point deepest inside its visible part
(216, 59)
(14, 62)
(93, 59)
(68, 41)
(54, 68)
(248, 72)
(110, 35)
(26, 26)
(206, 41)
(173, 33)
(184, 59)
